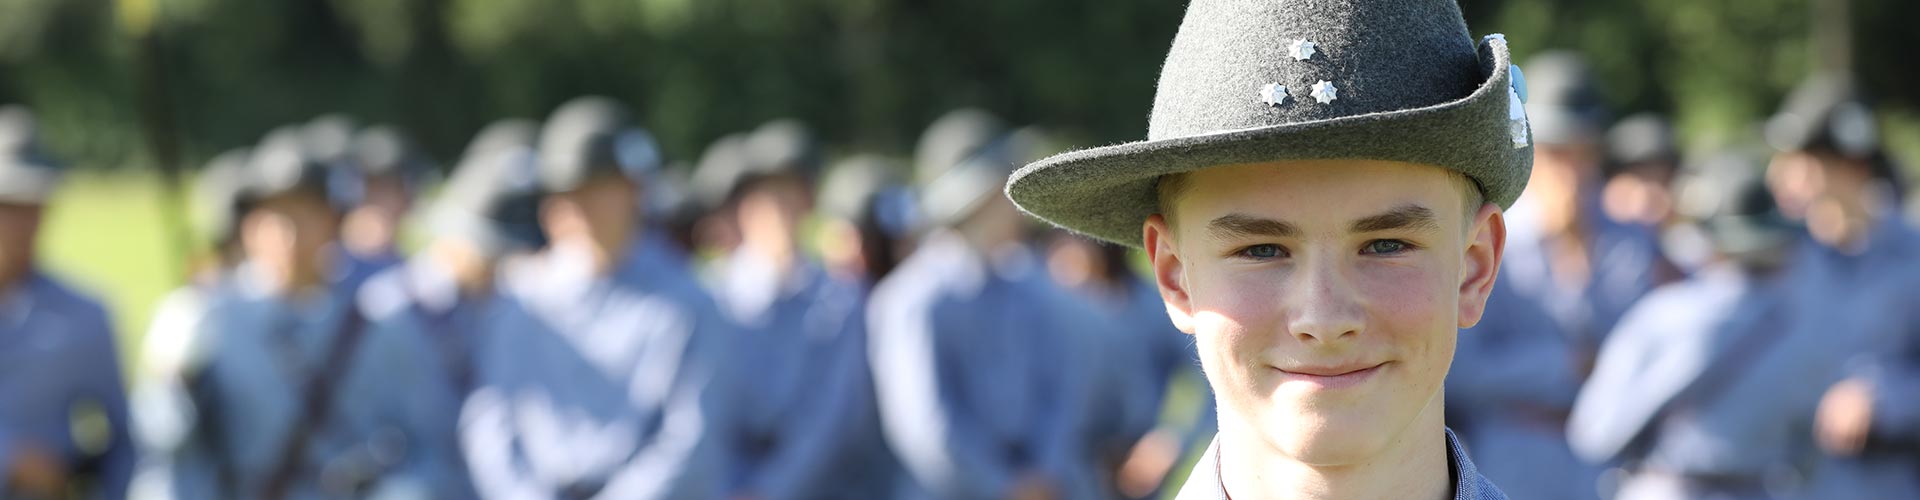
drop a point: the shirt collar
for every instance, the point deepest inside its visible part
(1205, 483)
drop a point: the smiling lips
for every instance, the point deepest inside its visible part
(1333, 377)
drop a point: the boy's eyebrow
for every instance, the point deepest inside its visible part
(1402, 217)
(1232, 226)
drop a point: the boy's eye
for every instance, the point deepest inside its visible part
(1263, 252)
(1386, 247)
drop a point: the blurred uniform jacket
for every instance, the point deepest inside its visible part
(245, 395)
(1708, 386)
(1141, 356)
(804, 424)
(419, 320)
(594, 387)
(1511, 387)
(1878, 294)
(1623, 261)
(59, 368)
(979, 368)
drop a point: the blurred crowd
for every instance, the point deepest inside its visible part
(581, 317)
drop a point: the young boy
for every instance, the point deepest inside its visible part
(1321, 197)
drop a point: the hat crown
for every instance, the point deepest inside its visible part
(1373, 56)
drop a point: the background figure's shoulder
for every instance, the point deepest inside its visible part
(384, 295)
(57, 294)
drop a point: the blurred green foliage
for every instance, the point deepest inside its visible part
(868, 73)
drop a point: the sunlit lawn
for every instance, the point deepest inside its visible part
(104, 236)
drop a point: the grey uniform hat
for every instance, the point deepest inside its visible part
(220, 192)
(282, 163)
(1825, 112)
(1642, 138)
(383, 150)
(27, 174)
(863, 186)
(579, 141)
(954, 195)
(1566, 105)
(951, 139)
(329, 139)
(1252, 81)
(493, 202)
(783, 146)
(1728, 197)
(501, 134)
(719, 171)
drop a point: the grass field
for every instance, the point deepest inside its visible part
(105, 235)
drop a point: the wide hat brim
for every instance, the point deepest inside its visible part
(28, 181)
(1109, 192)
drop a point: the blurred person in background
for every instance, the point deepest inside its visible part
(265, 410)
(392, 172)
(1585, 267)
(1564, 258)
(173, 344)
(1831, 169)
(423, 316)
(1148, 362)
(716, 231)
(804, 424)
(979, 360)
(1642, 161)
(868, 219)
(329, 140)
(63, 413)
(594, 381)
(1705, 388)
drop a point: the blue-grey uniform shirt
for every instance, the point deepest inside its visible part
(592, 386)
(1205, 483)
(977, 366)
(1877, 292)
(1715, 376)
(421, 332)
(58, 365)
(804, 424)
(1143, 355)
(245, 399)
(1623, 263)
(1512, 384)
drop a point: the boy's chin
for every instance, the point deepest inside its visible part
(1316, 437)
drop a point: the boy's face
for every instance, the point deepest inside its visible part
(1325, 295)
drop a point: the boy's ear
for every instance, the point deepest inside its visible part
(1480, 262)
(1169, 272)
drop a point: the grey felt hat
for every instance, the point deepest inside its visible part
(27, 174)
(220, 194)
(1727, 197)
(1640, 139)
(579, 141)
(1826, 112)
(719, 171)
(502, 134)
(492, 202)
(1566, 105)
(953, 138)
(283, 163)
(871, 190)
(384, 150)
(1251, 81)
(784, 146)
